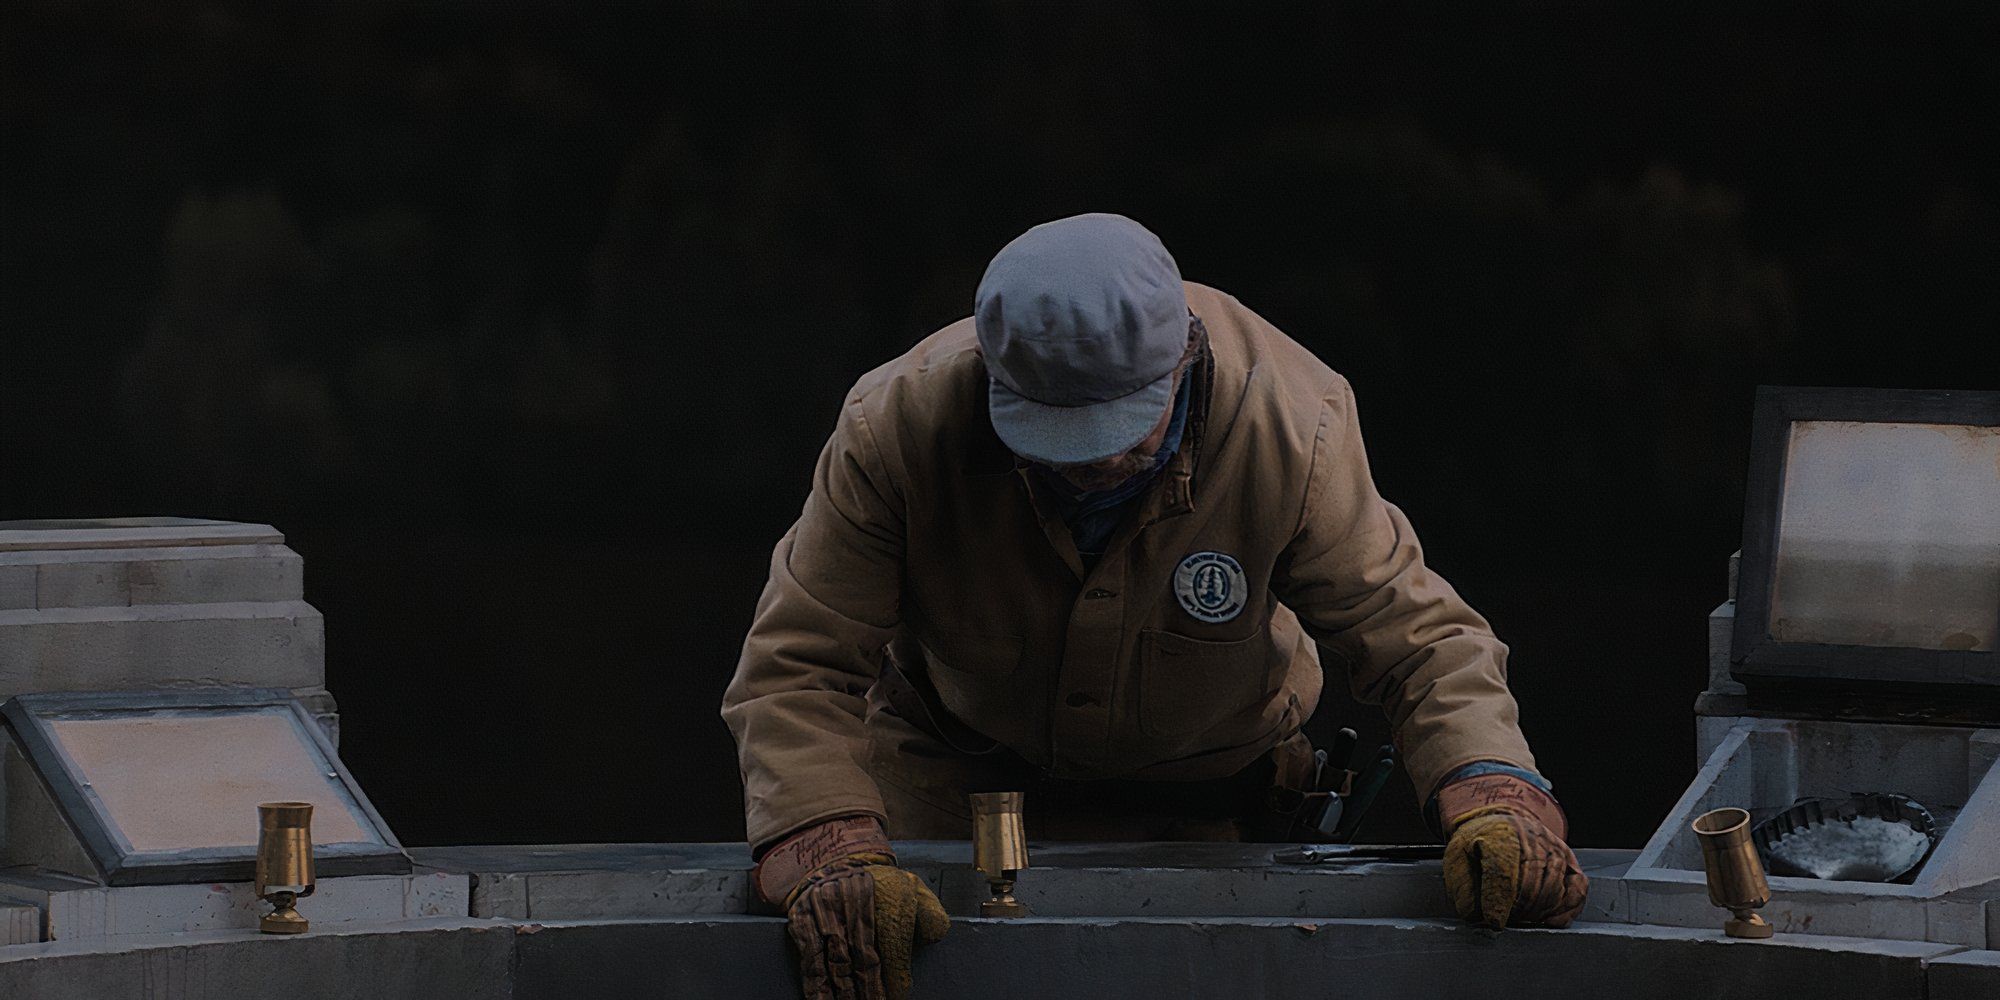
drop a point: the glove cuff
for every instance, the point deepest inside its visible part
(788, 864)
(1488, 793)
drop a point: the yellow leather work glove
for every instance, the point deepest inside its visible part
(855, 918)
(1506, 863)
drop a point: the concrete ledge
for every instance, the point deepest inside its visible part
(1398, 958)
(1803, 906)
(596, 881)
(1232, 958)
(745, 958)
(653, 881)
(1038, 957)
(426, 960)
(1968, 975)
(75, 909)
(637, 881)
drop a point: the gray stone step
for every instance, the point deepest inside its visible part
(119, 577)
(261, 643)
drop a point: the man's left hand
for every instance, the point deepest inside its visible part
(1507, 863)
(854, 916)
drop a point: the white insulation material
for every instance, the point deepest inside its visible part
(1863, 849)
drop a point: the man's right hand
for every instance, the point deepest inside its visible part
(855, 918)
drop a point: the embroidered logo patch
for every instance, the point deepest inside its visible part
(1211, 586)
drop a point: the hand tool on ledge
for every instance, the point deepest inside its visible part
(1345, 854)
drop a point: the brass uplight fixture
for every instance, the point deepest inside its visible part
(999, 850)
(1735, 873)
(284, 863)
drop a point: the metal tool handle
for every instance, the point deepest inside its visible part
(1365, 789)
(1341, 751)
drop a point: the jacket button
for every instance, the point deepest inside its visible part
(1099, 593)
(1079, 700)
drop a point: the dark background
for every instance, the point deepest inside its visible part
(525, 324)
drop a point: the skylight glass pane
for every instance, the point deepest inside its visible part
(180, 780)
(1889, 535)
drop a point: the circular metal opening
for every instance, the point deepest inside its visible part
(1720, 821)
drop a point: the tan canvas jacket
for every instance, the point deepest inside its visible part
(1162, 662)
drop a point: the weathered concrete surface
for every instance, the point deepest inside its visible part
(608, 895)
(255, 643)
(1055, 958)
(719, 956)
(1233, 958)
(1804, 906)
(639, 881)
(428, 960)
(17, 586)
(1038, 957)
(20, 923)
(205, 574)
(596, 881)
(75, 909)
(1968, 975)
(1396, 958)
(123, 603)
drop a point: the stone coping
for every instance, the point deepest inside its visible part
(1053, 958)
(1305, 926)
(532, 858)
(130, 532)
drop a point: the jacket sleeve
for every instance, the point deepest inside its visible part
(1355, 576)
(796, 703)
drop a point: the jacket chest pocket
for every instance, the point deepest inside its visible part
(1189, 686)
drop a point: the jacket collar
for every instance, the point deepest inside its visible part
(1174, 493)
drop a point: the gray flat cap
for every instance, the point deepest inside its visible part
(1082, 322)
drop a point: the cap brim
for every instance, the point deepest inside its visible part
(1074, 435)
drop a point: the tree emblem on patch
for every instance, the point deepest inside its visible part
(1211, 587)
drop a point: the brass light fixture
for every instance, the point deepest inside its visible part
(999, 850)
(1735, 873)
(284, 863)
